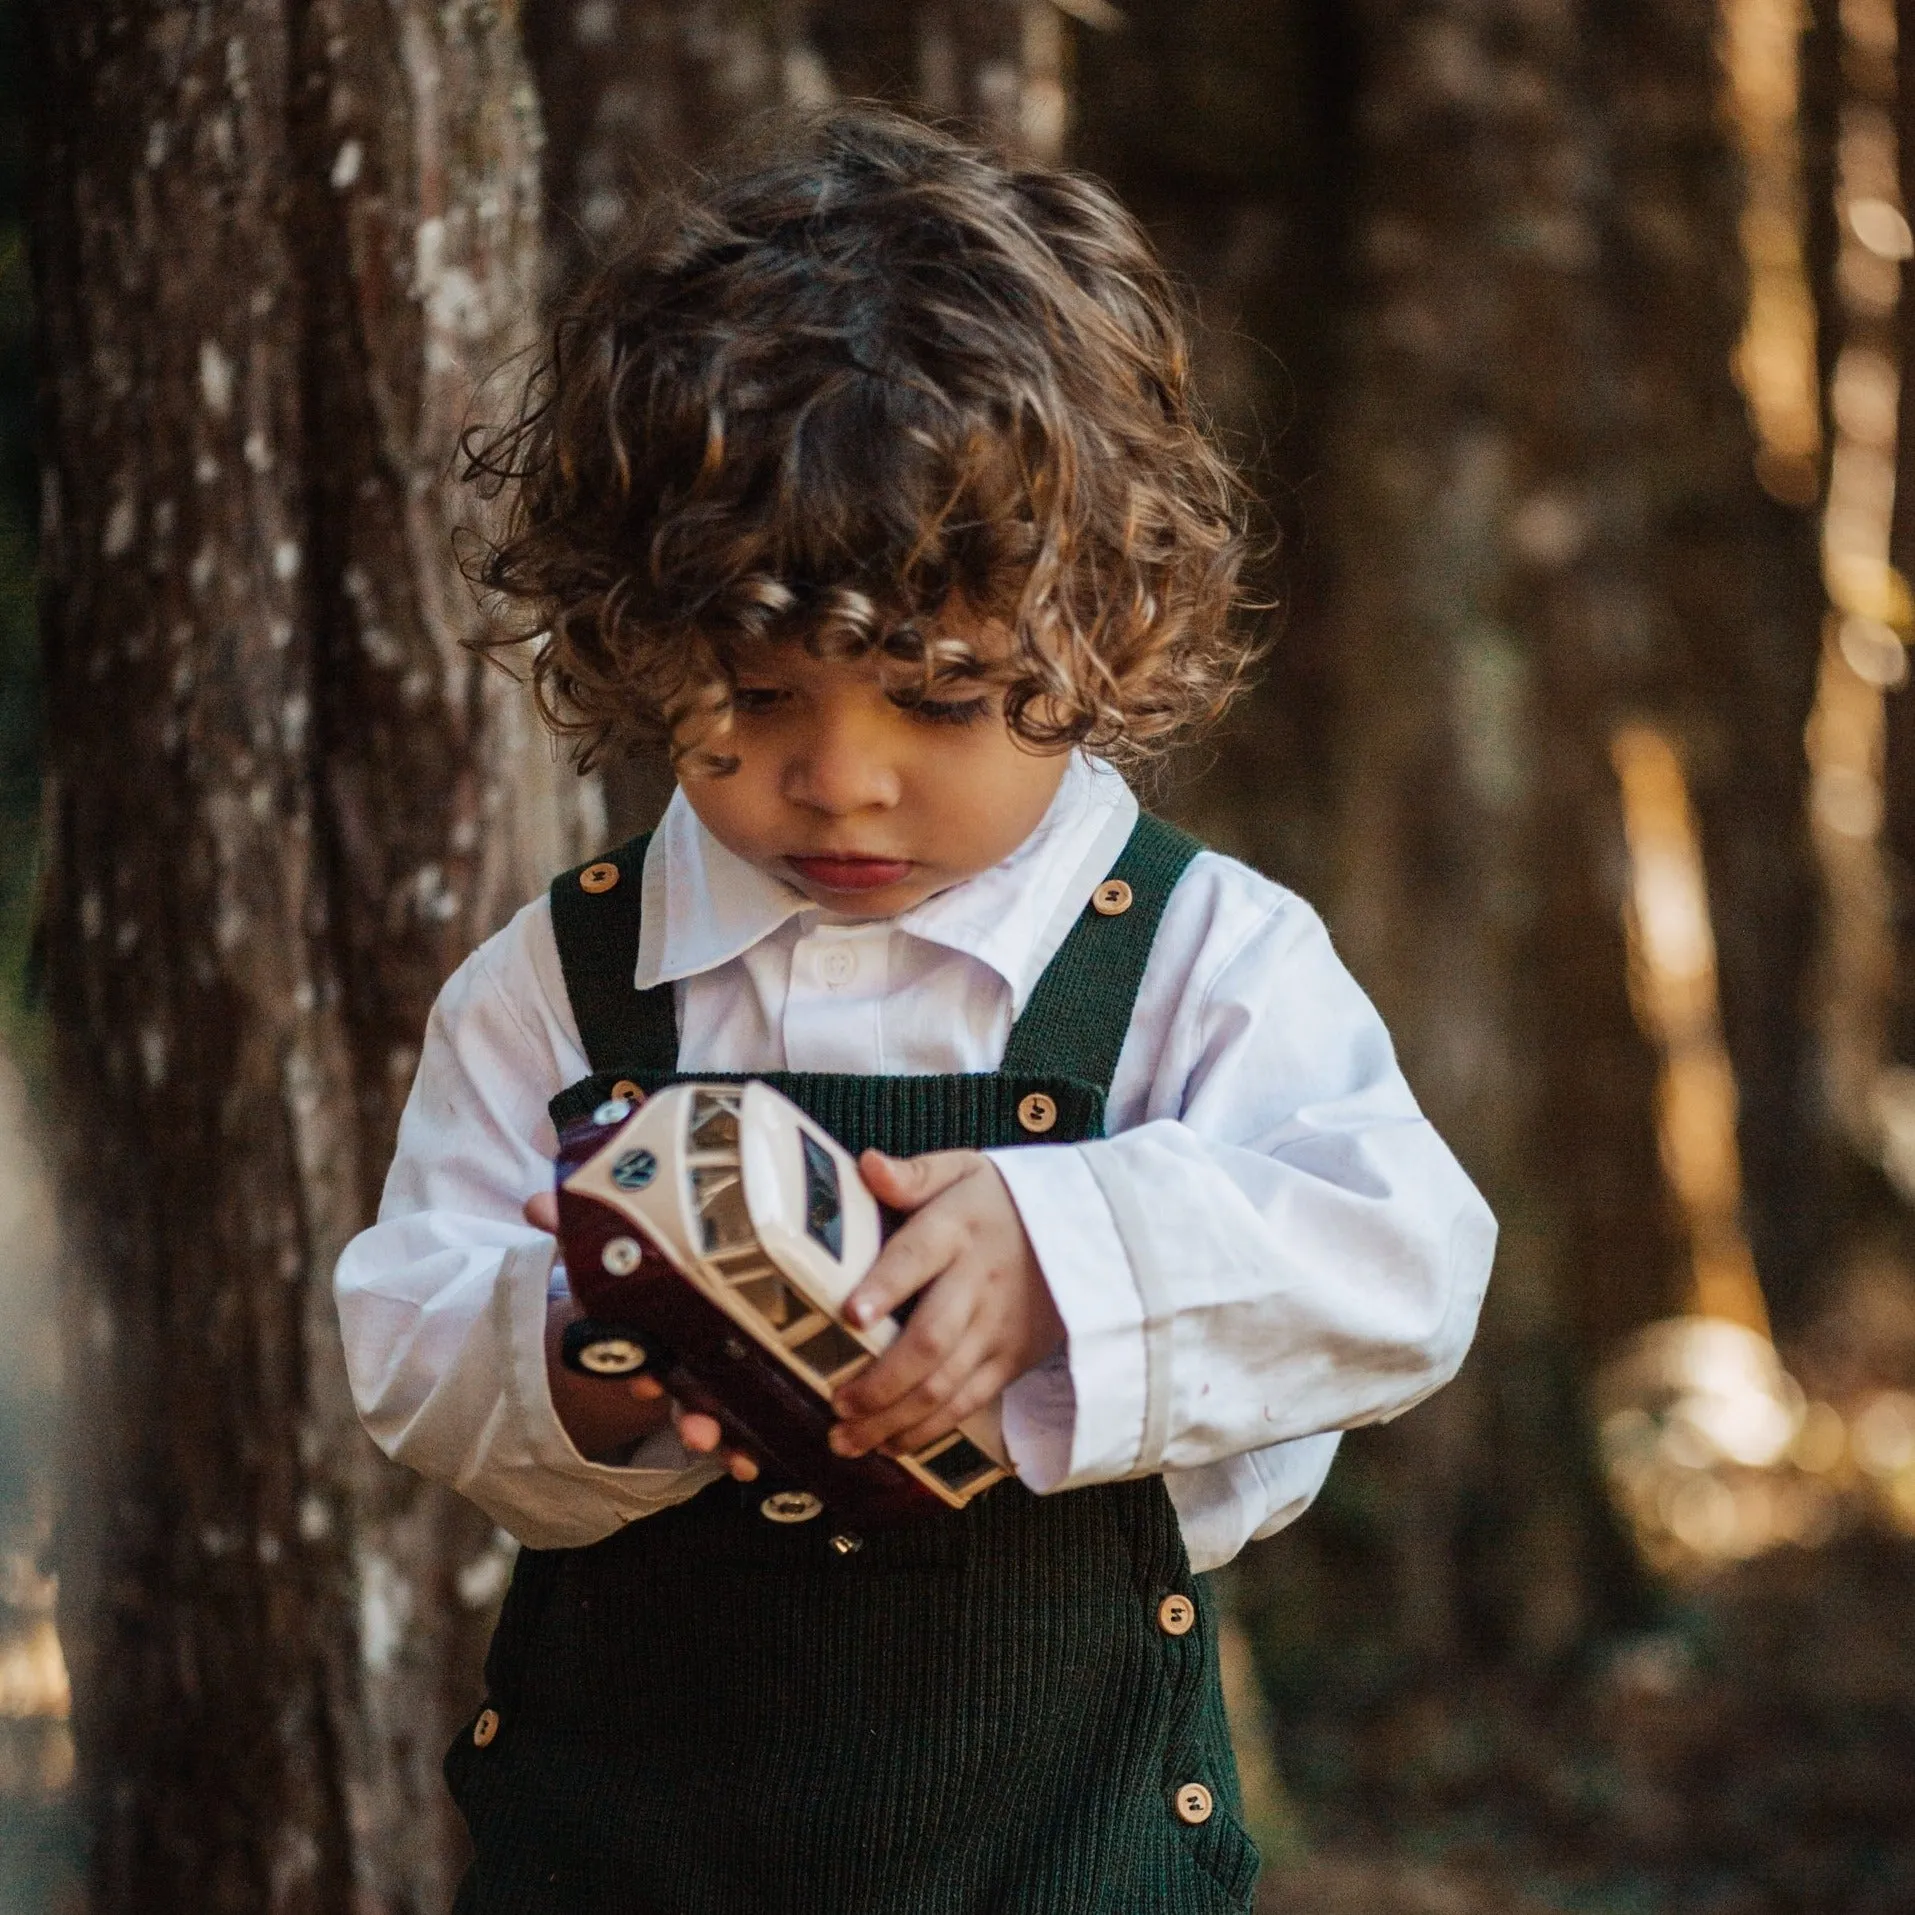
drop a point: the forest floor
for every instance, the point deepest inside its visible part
(1753, 1756)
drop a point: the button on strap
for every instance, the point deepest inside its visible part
(1176, 1615)
(1194, 1804)
(1075, 1021)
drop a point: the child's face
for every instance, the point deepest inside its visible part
(867, 805)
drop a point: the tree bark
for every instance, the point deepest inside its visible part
(1544, 525)
(1226, 127)
(276, 244)
(1734, 590)
(1898, 770)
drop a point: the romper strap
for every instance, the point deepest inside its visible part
(596, 911)
(1072, 1027)
(1076, 1019)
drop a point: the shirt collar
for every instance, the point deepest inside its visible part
(704, 906)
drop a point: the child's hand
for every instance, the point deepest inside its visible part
(597, 1427)
(985, 1315)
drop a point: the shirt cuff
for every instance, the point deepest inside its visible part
(1080, 1419)
(660, 1472)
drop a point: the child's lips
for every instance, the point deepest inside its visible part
(842, 872)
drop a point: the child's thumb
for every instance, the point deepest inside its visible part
(907, 1182)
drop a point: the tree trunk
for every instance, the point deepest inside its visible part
(1735, 597)
(1226, 127)
(635, 91)
(1898, 771)
(275, 244)
(1487, 582)
(1543, 525)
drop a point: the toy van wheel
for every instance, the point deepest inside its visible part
(609, 1350)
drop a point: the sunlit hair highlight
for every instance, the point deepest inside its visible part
(864, 390)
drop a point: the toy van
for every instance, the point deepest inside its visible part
(712, 1233)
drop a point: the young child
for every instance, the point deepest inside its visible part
(868, 478)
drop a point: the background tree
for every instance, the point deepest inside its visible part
(1471, 283)
(274, 245)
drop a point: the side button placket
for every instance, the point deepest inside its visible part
(1176, 1619)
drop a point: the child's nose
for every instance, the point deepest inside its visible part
(841, 768)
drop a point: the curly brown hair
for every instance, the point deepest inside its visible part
(865, 377)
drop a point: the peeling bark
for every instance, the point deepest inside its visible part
(276, 244)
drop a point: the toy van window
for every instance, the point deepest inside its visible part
(960, 1465)
(773, 1299)
(719, 1193)
(830, 1350)
(714, 1122)
(824, 1205)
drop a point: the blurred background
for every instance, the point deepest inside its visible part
(1564, 343)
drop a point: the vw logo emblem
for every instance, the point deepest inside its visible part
(634, 1170)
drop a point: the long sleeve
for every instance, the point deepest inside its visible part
(442, 1302)
(1270, 1246)
(1273, 1245)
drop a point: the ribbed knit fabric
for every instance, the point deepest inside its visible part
(977, 1714)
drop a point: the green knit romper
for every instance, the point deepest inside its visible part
(983, 1713)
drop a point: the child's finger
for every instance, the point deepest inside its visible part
(542, 1211)
(938, 1329)
(918, 1252)
(906, 1182)
(705, 1434)
(984, 1382)
(923, 1408)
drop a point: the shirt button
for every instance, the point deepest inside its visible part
(485, 1728)
(1111, 899)
(839, 965)
(1194, 1804)
(1176, 1615)
(598, 877)
(1037, 1113)
(629, 1091)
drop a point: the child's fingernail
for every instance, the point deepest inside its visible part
(840, 1441)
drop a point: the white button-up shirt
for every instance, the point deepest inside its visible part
(1270, 1246)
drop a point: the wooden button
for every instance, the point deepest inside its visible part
(1176, 1615)
(631, 1093)
(1111, 899)
(485, 1728)
(598, 877)
(1037, 1113)
(1194, 1804)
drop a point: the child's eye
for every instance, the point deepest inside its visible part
(750, 700)
(944, 711)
